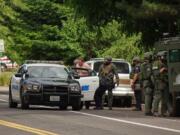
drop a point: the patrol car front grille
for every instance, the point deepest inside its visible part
(55, 89)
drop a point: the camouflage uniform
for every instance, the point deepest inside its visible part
(146, 74)
(106, 77)
(157, 81)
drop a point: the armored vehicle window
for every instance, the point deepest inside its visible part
(122, 67)
(174, 55)
(47, 72)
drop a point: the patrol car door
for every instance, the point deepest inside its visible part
(89, 82)
(174, 69)
(15, 84)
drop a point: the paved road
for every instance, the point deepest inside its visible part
(50, 121)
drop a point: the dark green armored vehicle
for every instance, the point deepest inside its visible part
(172, 46)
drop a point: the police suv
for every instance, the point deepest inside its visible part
(44, 84)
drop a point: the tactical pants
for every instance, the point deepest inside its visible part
(138, 96)
(157, 99)
(166, 105)
(110, 98)
(148, 99)
(98, 96)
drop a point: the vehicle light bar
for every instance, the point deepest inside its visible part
(44, 61)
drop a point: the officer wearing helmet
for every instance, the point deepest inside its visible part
(157, 82)
(146, 74)
(107, 71)
(136, 84)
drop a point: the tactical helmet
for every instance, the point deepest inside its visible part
(136, 58)
(108, 58)
(162, 54)
(148, 55)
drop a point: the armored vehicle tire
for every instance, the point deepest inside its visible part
(24, 101)
(87, 104)
(176, 103)
(76, 104)
(12, 104)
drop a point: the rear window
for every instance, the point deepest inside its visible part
(174, 55)
(122, 67)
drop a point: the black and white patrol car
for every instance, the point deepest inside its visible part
(44, 84)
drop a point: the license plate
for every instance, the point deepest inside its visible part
(54, 98)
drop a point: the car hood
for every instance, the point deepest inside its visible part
(48, 81)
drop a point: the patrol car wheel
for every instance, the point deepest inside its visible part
(76, 105)
(63, 104)
(87, 104)
(12, 104)
(24, 102)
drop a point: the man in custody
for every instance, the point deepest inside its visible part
(107, 71)
(146, 78)
(160, 80)
(136, 84)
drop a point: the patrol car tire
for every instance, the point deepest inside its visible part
(87, 104)
(12, 104)
(76, 105)
(63, 104)
(24, 102)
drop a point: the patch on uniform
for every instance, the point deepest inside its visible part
(155, 67)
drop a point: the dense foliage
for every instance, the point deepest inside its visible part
(53, 30)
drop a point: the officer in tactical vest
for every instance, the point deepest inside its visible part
(160, 75)
(146, 74)
(157, 81)
(107, 71)
(136, 84)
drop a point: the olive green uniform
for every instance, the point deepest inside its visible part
(106, 77)
(158, 85)
(146, 73)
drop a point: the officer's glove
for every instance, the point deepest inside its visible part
(117, 82)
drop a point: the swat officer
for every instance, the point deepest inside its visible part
(135, 84)
(160, 75)
(146, 74)
(157, 81)
(107, 71)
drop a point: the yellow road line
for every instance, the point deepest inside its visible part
(26, 128)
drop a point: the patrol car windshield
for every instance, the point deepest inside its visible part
(122, 67)
(174, 55)
(47, 72)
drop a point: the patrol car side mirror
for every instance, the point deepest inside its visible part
(76, 76)
(18, 75)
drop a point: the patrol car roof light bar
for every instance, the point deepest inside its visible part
(43, 61)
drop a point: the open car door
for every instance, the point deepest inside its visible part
(89, 82)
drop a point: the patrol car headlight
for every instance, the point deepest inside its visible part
(74, 87)
(34, 87)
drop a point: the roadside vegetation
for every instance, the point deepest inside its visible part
(53, 30)
(5, 78)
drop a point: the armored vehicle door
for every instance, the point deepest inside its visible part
(174, 69)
